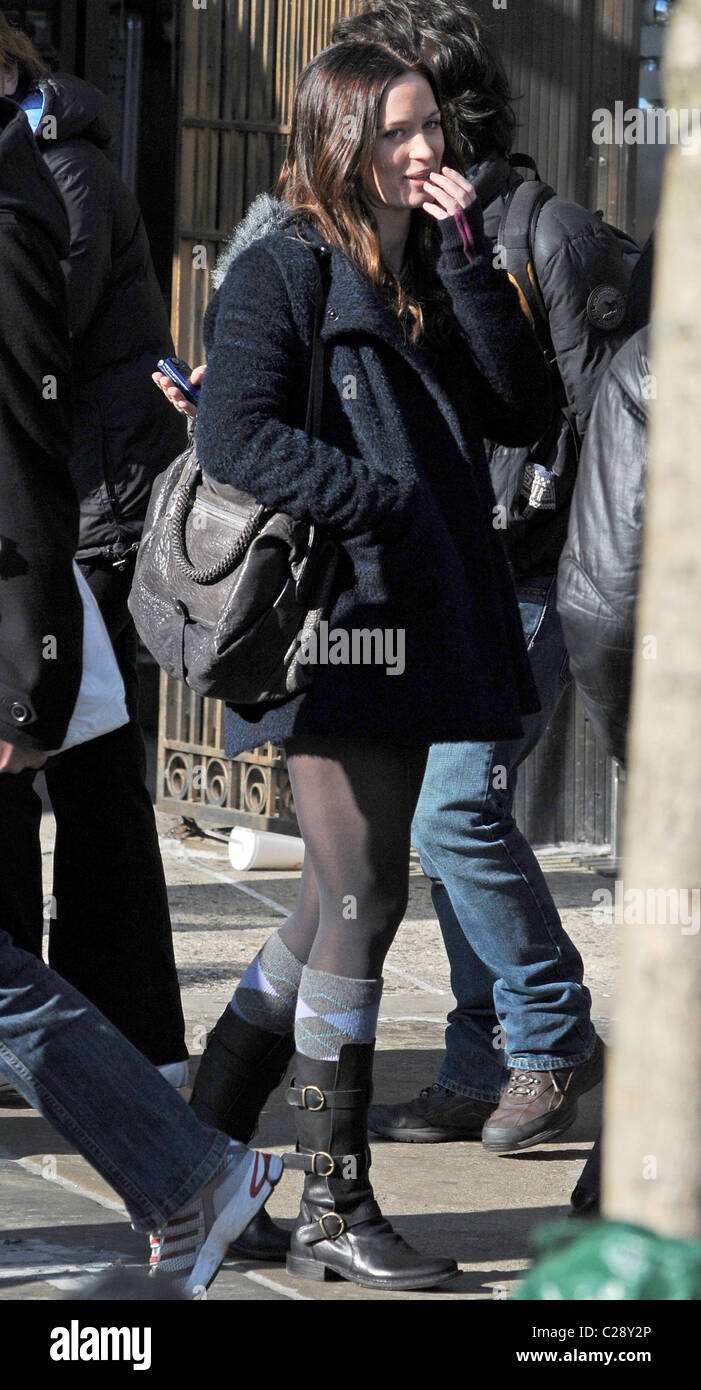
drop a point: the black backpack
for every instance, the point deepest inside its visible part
(536, 482)
(516, 238)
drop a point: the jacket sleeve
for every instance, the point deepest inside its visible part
(248, 396)
(86, 190)
(514, 390)
(599, 572)
(575, 255)
(41, 615)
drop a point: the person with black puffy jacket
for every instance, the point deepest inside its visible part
(599, 573)
(172, 1172)
(516, 975)
(601, 564)
(109, 925)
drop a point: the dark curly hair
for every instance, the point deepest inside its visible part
(449, 38)
(16, 47)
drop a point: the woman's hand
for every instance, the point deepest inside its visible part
(456, 204)
(451, 191)
(175, 396)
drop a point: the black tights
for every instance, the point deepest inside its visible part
(354, 804)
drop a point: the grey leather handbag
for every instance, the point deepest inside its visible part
(225, 590)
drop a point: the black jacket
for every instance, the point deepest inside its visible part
(599, 572)
(125, 430)
(399, 474)
(574, 254)
(41, 616)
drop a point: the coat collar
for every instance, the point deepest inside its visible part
(353, 305)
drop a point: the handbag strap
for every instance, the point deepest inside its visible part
(185, 494)
(312, 425)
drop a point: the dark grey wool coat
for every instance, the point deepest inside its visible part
(399, 474)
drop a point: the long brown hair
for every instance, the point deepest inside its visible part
(16, 47)
(328, 167)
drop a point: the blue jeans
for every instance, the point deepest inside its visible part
(515, 974)
(100, 1093)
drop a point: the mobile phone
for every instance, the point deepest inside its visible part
(180, 373)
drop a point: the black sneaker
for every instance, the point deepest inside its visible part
(540, 1105)
(434, 1117)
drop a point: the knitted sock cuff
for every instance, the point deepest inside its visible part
(267, 994)
(333, 1010)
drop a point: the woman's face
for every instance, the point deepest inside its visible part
(9, 76)
(409, 144)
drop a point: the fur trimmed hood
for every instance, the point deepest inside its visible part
(266, 214)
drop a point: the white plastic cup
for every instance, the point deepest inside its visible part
(263, 849)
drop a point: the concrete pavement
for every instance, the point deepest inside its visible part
(58, 1220)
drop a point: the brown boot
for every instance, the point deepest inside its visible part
(540, 1105)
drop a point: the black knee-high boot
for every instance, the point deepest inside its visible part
(242, 1064)
(340, 1231)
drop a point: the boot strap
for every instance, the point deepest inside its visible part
(313, 1098)
(324, 1165)
(331, 1224)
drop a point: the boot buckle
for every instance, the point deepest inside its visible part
(325, 1172)
(319, 1093)
(332, 1216)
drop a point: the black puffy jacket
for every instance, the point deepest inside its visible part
(125, 430)
(574, 254)
(599, 574)
(41, 616)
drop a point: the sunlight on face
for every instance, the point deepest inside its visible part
(409, 144)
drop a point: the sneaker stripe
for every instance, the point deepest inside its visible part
(192, 1245)
(256, 1184)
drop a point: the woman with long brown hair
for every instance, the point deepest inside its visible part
(426, 352)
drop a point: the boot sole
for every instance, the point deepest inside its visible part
(426, 1136)
(319, 1273)
(502, 1146)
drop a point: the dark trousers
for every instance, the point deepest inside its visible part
(109, 924)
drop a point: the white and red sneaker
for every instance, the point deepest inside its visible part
(190, 1247)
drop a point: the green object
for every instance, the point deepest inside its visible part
(606, 1260)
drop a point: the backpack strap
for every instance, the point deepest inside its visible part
(516, 236)
(524, 161)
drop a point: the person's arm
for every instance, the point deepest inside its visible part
(87, 191)
(41, 617)
(514, 394)
(599, 572)
(248, 395)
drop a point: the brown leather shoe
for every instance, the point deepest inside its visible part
(540, 1105)
(436, 1116)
